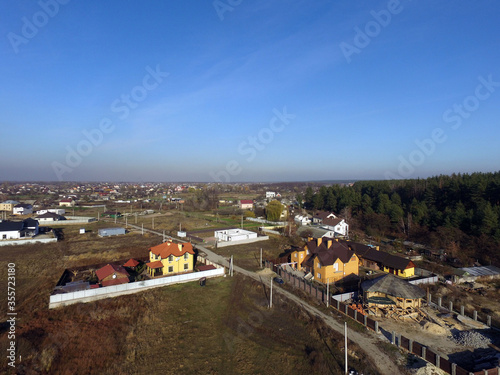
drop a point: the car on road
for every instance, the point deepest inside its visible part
(278, 280)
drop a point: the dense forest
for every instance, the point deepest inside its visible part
(459, 213)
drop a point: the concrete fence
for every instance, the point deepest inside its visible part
(89, 295)
(428, 280)
(263, 221)
(241, 242)
(27, 241)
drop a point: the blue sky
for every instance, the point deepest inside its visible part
(190, 91)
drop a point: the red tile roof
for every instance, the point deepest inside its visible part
(131, 263)
(157, 264)
(169, 248)
(110, 269)
(246, 201)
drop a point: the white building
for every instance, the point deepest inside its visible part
(338, 226)
(49, 217)
(18, 229)
(234, 235)
(302, 220)
(57, 211)
(22, 209)
(270, 194)
(68, 202)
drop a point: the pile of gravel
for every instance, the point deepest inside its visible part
(472, 339)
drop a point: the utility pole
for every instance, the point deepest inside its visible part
(115, 216)
(271, 295)
(241, 221)
(153, 225)
(126, 221)
(327, 292)
(142, 229)
(345, 334)
(98, 215)
(261, 257)
(163, 235)
(136, 217)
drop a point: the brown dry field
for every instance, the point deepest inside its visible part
(223, 328)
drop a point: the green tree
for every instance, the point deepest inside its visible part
(274, 210)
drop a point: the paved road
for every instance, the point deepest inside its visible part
(368, 342)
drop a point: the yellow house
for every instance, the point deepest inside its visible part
(8, 205)
(170, 258)
(298, 256)
(331, 261)
(375, 259)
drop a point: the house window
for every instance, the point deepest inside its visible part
(319, 266)
(295, 255)
(301, 255)
(319, 276)
(186, 256)
(170, 258)
(186, 266)
(171, 269)
(336, 267)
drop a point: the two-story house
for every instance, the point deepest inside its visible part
(326, 259)
(170, 258)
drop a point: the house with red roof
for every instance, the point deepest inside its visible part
(112, 274)
(68, 202)
(246, 204)
(170, 258)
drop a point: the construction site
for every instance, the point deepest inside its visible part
(401, 308)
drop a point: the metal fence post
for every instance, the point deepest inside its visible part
(462, 310)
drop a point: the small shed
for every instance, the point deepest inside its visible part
(106, 232)
(131, 263)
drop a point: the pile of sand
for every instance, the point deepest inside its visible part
(434, 329)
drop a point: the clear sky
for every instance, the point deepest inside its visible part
(246, 90)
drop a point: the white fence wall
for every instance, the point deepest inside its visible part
(240, 242)
(263, 221)
(427, 280)
(27, 242)
(345, 296)
(57, 300)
